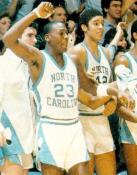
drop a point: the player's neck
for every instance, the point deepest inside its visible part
(92, 45)
(58, 57)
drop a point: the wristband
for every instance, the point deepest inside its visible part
(36, 13)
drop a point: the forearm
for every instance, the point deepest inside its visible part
(116, 39)
(92, 101)
(15, 32)
(126, 114)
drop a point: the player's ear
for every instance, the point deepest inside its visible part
(46, 37)
(84, 27)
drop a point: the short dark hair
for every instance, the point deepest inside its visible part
(34, 25)
(105, 4)
(4, 15)
(87, 15)
(49, 26)
(110, 34)
(133, 30)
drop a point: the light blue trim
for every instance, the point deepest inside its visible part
(44, 154)
(42, 71)
(1, 153)
(87, 58)
(104, 55)
(129, 62)
(69, 58)
(15, 147)
(58, 119)
(55, 63)
(49, 120)
(38, 103)
(59, 123)
(14, 158)
(87, 156)
(126, 134)
(98, 60)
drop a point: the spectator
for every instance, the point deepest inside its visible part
(24, 7)
(111, 12)
(96, 4)
(5, 23)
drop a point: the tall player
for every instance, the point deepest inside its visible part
(60, 142)
(16, 109)
(96, 63)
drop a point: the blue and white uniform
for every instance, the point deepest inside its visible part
(128, 130)
(16, 114)
(60, 141)
(96, 126)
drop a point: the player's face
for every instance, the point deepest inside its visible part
(114, 9)
(95, 28)
(29, 36)
(58, 38)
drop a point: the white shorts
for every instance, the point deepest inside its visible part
(128, 132)
(60, 143)
(97, 134)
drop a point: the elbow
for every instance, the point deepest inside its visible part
(7, 40)
(92, 104)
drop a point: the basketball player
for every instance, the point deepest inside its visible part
(128, 130)
(60, 142)
(16, 115)
(96, 63)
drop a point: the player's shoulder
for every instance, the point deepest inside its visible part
(77, 53)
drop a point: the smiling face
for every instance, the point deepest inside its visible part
(95, 28)
(57, 38)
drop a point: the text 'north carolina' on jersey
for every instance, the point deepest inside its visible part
(98, 70)
(57, 89)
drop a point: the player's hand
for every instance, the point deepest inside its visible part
(44, 10)
(110, 106)
(120, 27)
(125, 99)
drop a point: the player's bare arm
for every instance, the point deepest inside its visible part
(11, 39)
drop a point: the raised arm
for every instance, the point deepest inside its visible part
(30, 54)
(112, 48)
(126, 5)
(11, 38)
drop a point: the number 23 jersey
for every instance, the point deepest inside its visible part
(56, 90)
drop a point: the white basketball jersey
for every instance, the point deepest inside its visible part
(57, 89)
(17, 112)
(98, 70)
(128, 130)
(132, 63)
(132, 82)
